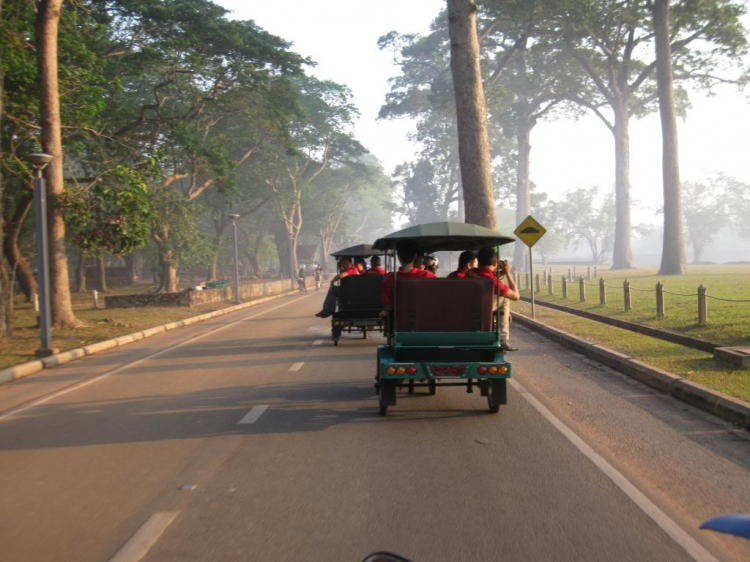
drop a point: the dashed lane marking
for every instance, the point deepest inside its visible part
(677, 533)
(103, 376)
(253, 415)
(296, 367)
(318, 342)
(144, 538)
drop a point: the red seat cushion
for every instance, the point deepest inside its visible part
(444, 305)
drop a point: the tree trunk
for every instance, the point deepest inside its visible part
(213, 269)
(622, 254)
(48, 19)
(168, 281)
(523, 192)
(102, 268)
(6, 289)
(81, 273)
(18, 263)
(130, 266)
(471, 114)
(673, 249)
(697, 250)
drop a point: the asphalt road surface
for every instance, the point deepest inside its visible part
(250, 437)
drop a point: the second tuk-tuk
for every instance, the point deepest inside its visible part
(443, 332)
(359, 299)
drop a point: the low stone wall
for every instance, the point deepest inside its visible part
(192, 299)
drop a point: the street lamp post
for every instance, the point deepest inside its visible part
(237, 297)
(39, 161)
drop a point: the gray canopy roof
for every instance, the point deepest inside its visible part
(358, 251)
(445, 236)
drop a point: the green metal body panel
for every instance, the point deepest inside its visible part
(483, 340)
(424, 368)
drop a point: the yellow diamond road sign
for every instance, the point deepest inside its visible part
(530, 231)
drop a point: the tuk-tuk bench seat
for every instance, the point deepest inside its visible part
(361, 292)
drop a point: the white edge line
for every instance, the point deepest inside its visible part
(318, 342)
(677, 533)
(98, 378)
(296, 367)
(144, 538)
(253, 415)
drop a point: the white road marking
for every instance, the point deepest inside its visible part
(318, 342)
(103, 376)
(296, 367)
(253, 415)
(682, 538)
(144, 538)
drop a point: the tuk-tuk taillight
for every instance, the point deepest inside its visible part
(412, 370)
(391, 370)
(482, 370)
(503, 370)
(401, 371)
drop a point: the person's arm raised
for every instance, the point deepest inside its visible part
(513, 293)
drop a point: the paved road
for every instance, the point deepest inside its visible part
(249, 437)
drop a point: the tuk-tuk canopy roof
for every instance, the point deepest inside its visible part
(358, 251)
(445, 236)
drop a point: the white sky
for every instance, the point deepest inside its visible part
(341, 36)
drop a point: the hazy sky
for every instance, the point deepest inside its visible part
(341, 36)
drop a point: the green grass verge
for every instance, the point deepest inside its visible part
(99, 325)
(682, 361)
(728, 323)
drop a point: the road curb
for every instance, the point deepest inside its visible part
(725, 407)
(32, 367)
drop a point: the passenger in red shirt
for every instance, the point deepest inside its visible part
(466, 261)
(488, 264)
(375, 268)
(345, 270)
(407, 251)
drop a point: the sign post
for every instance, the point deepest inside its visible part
(530, 232)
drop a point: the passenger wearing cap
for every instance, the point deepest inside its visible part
(329, 304)
(407, 251)
(487, 268)
(375, 268)
(466, 261)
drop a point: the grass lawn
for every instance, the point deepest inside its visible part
(100, 324)
(728, 322)
(682, 361)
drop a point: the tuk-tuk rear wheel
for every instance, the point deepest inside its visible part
(383, 409)
(433, 387)
(494, 408)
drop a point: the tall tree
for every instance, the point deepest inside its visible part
(5, 289)
(611, 39)
(705, 208)
(471, 114)
(47, 25)
(673, 249)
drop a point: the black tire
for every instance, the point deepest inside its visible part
(364, 333)
(383, 410)
(335, 342)
(411, 386)
(493, 408)
(433, 387)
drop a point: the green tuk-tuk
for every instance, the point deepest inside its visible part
(443, 332)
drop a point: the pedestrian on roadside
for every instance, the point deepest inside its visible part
(301, 280)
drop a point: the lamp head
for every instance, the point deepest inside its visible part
(233, 217)
(39, 159)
